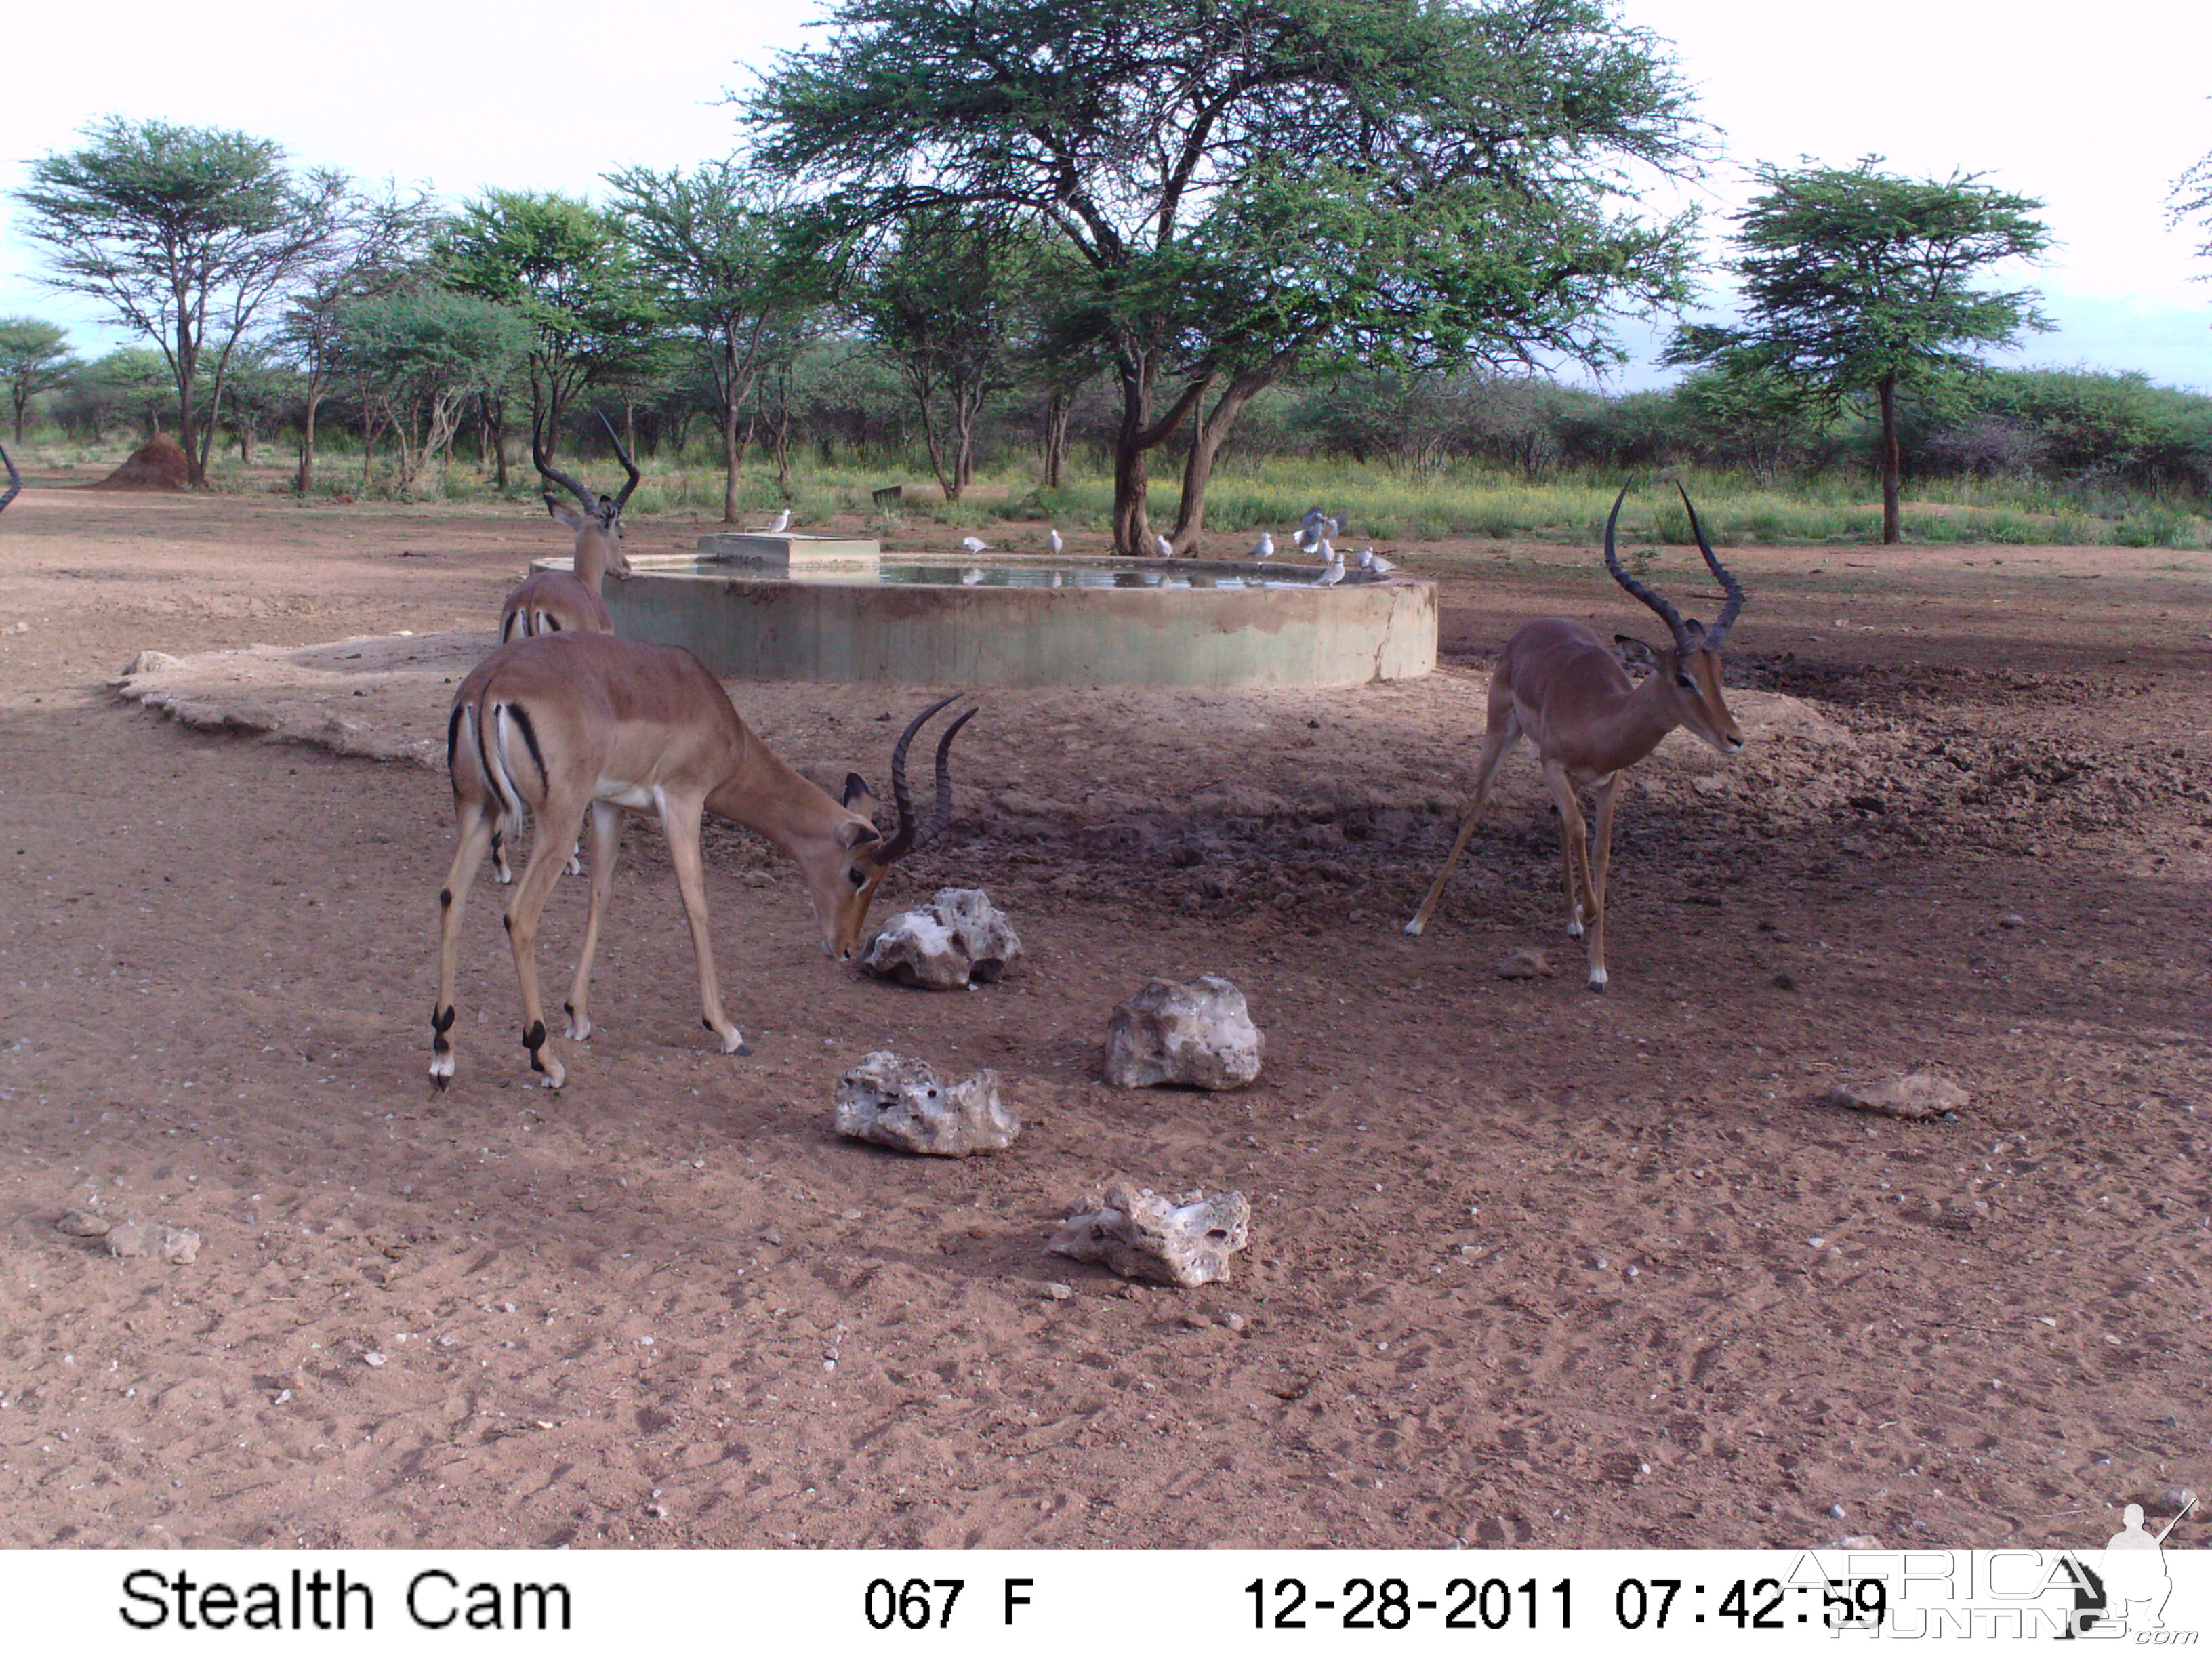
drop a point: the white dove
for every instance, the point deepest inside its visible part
(1325, 553)
(1163, 546)
(1334, 572)
(975, 544)
(779, 524)
(1052, 540)
(1264, 548)
(1370, 560)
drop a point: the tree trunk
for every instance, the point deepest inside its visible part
(1892, 526)
(20, 399)
(1206, 441)
(730, 452)
(1058, 407)
(306, 482)
(187, 367)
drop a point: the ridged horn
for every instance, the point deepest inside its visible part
(15, 480)
(1717, 634)
(910, 835)
(1668, 614)
(548, 469)
(629, 465)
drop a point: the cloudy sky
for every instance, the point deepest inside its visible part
(2094, 112)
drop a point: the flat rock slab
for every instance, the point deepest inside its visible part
(1918, 1095)
(151, 1238)
(960, 940)
(894, 1101)
(1140, 1235)
(1197, 1035)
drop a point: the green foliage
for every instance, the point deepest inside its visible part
(1250, 182)
(569, 269)
(179, 231)
(34, 357)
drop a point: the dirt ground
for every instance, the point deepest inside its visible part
(1528, 1266)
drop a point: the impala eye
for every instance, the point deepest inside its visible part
(1686, 682)
(859, 877)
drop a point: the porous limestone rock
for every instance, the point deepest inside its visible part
(1197, 1035)
(152, 1238)
(1918, 1094)
(1140, 1235)
(961, 939)
(901, 1103)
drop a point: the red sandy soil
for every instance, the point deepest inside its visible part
(1528, 1266)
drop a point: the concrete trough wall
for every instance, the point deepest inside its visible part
(745, 627)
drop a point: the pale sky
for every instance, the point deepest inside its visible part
(2094, 110)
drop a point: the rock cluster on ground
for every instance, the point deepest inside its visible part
(961, 939)
(179, 1245)
(1917, 1094)
(1140, 1235)
(1197, 1035)
(895, 1102)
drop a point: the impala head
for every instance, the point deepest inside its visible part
(600, 516)
(1690, 673)
(844, 868)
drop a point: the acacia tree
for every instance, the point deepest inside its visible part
(34, 357)
(422, 354)
(1250, 182)
(944, 304)
(378, 243)
(185, 233)
(1858, 283)
(568, 268)
(715, 244)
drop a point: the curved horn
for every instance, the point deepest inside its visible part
(15, 480)
(1717, 634)
(903, 840)
(546, 467)
(943, 810)
(1668, 614)
(629, 465)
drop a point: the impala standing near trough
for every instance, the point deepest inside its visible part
(568, 601)
(1561, 685)
(569, 724)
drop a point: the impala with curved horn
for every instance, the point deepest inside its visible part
(568, 601)
(569, 726)
(1561, 685)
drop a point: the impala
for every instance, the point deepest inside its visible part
(568, 725)
(1561, 685)
(568, 601)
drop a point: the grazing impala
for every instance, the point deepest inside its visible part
(1561, 685)
(568, 601)
(569, 725)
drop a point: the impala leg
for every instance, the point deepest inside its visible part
(1498, 743)
(605, 829)
(1574, 846)
(680, 821)
(1608, 795)
(558, 821)
(476, 839)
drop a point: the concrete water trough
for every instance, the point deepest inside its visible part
(1008, 621)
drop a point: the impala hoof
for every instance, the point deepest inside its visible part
(577, 1029)
(1597, 984)
(1413, 928)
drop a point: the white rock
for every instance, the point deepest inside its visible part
(961, 939)
(84, 1224)
(151, 1238)
(1919, 1094)
(1140, 1235)
(1197, 1035)
(901, 1103)
(149, 662)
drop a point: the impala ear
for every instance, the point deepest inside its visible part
(856, 833)
(567, 515)
(857, 797)
(1635, 654)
